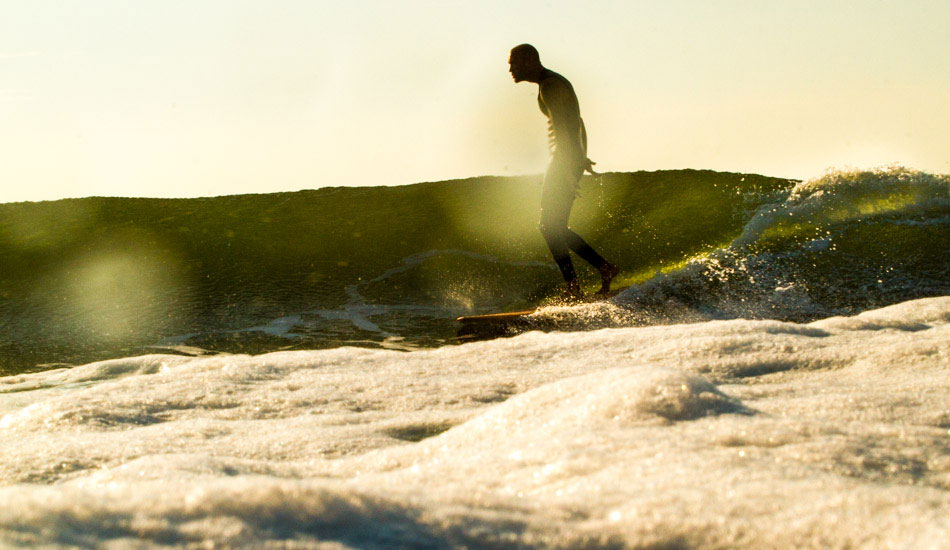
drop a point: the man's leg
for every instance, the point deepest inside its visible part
(557, 196)
(607, 270)
(584, 250)
(555, 234)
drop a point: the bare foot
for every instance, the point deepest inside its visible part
(607, 273)
(573, 292)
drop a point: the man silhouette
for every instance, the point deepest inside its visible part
(567, 138)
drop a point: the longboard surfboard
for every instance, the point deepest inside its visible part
(500, 324)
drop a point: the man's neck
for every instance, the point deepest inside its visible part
(541, 75)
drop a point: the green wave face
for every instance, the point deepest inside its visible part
(86, 279)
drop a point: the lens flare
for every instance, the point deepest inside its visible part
(123, 293)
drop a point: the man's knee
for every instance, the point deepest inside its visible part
(552, 229)
(546, 227)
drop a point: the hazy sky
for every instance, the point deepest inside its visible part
(191, 98)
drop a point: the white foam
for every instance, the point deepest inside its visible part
(739, 434)
(842, 195)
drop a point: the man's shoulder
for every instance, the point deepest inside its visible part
(553, 82)
(552, 78)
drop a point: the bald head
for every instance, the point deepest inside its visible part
(527, 51)
(525, 63)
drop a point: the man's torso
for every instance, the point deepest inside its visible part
(565, 88)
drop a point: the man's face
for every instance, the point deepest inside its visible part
(516, 66)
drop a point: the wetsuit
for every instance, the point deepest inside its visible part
(568, 141)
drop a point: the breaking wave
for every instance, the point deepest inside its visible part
(391, 267)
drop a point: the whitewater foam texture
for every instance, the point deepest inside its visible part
(718, 434)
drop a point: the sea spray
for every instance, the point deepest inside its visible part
(838, 244)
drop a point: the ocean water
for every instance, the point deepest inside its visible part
(392, 267)
(281, 371)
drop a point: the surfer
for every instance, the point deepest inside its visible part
(567, 138)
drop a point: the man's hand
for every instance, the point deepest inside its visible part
(589, 167)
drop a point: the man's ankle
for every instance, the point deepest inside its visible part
(609, 269)
(573, 289)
